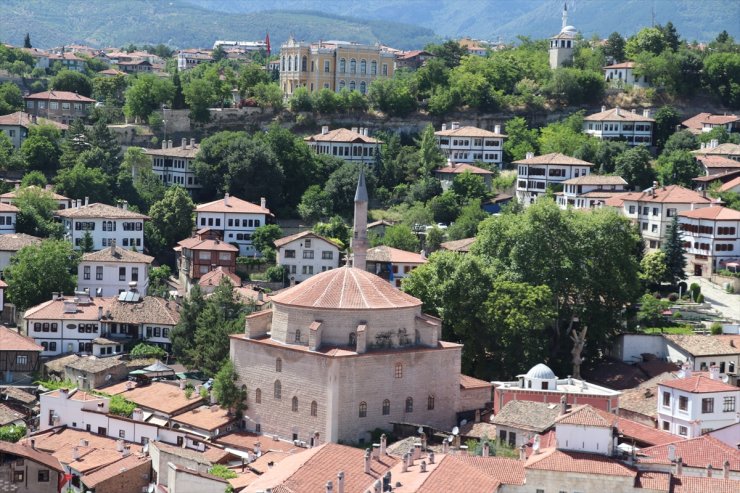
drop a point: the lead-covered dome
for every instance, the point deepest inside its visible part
(345, 288)
(541, 372)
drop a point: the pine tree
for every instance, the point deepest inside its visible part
(74, 143)
(27, 41)
(674, 253)
(87, 245)
(178, 100)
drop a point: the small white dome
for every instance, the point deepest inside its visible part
(569, 29)
(541, 371)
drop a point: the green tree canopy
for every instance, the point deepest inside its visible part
(172, 217)
(634, 166)
(147, 93)
(400, 236)
(81, 181)
(263, 239)
(41, 149)
(72, 81)
(675, 259)
(36, 213)
(11, 99)
(228, 393)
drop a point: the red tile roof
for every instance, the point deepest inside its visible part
(671, 194)
(97, 210)
(342, 135)
(11, 340)
(734, 183)
(451, 474)
(26, 451)
(468, 131)
(653, 480)
(638, 431)
(695, 452)
(505, 470)
(54, 310)
(93, 479)
(235, 205)
(458, 168)
(467, 382)
(699, 384)
(578, 462)
(205, 417)
(385, 253)
(346, 288)
(213, 278)
(25, 120)
(587, 416)
(712, 161)
(303, 234)
(622, 65)
(617, 115)
(715, 213)
(59, 96)
(196, 243)
(8, 208)
(689, 484)
(458, 245)
(554, 158)
(159, 396)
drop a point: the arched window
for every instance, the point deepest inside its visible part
(363, 409)
(278, 365)
(294, 404)
(298, 335)
(290, 63)
(352, 339)
(363, 87)
(409, 405)
(430, 402)
(373, 68)
(342, 65)
(363, 66)
(351, 85)
(353, 66)
(399, 370)
(258, 396)
(304, 63)
(386, 407)
(282, 60)
(278, 389)
(341, 84)
(314, 408)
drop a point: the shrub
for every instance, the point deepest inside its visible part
(700, 298)
(657, 295)
(695, 290)
(12, 433)
(222, 471)
(143, 350)
(716, 328)
(673, 297)
(276, 273)
(676, 315)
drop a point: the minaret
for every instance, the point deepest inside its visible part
(359, 235)
(565, 16)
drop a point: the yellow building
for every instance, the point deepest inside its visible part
(332, 65)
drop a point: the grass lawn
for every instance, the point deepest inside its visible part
(669, 330)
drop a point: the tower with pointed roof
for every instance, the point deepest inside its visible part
(359, 234)
(563, 43)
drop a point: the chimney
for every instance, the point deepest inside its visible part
(100, 313)
(618, 111)
(714, 372)
(486, 449)
(329, 487)
(383, 443)
(340, 482)
(192, 142)
(260, 297)
(455, 125)
(378, 486)
(164, 144)
(679, 466)
(33, 446)
(530, 155)
(646, 113)
(354, 129)
(423, 466)
(76, 453)
(226, 199)
(54, 295)
(126, 450)
(563, 405)
(709, 470)
(324, 129)
(182, 384)
(445, 446)
(417, 451)
(48, 188)
(405, 464)
(113, 247)
(634, 111)
(17, 186)
(725, 467)
(376, 451)
(444, 126)
(713, 143)
(169, 144)
(119, 445)
(137, 414)
(367, 132)
(522, 453)
(367, 461)
(497, 129)
(603, 108)
(686, 370)
(671, 452)
(703, 145)
(125, 205)
(431, 457)
(477, 415)
(184, 143)
(257, 449)
(87, 200)
(263, 202)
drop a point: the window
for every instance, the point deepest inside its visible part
(430, 402)
(363, 409)
(134, 273)
(327, 255)
(409, 405)
(86, 272)
(707, 405)
(43, 476)
(666, 426)
(204, 255)
(224, 256)
(122, 273)
(121, 433)
(683, 431)
(294, 404)
(363, 67)
(314, 408)
(308, 254)
(18, 476)
(258, 396)
(666, 399)
(671, 212)
(399, 370)
(326, 66)
(683, 402)
(373, 68)
(363, 87)
(352, 66)
(385, 69)
(278, 365)
(21, 359)
(728, 404)
(297, 335)
(386, 407)
(278, 390)
(342, 65)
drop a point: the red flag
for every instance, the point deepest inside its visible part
(63, 479)
(267, 42)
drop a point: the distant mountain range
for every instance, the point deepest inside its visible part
(400, 23)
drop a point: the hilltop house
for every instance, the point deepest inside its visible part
(107, 225)
(353, 145)
(235, 219)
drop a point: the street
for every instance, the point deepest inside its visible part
(725, 303)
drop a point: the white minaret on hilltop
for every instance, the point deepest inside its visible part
(359, 234)
(562, 44)
(565, 16)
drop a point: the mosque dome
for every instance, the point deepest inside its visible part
(345, 288)
(568, 29)
(541, 372)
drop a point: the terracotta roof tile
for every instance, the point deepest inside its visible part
(205, 417)
(25, 450)
(726, 149)
(33, 188)
(468, 382)
(59, 96)
(346, 288)
(622, 65)
(638, 431)
(734, 183)
(458, 245)
(11, 340)
(117, 254)
(385, 253)
(93, 479)
(158, 396)
(150, 310)
(15, 241)
(235, 205)
(196, 243)
(468, 131)
(214, 277)
(578, 462)
(9, 415)
(617, 115)
(712, 161)
(653, 480)
(97, 210)
(587, 416)
(554, 158)
(8, 208)
(244, 440)
(342, 135)
(187, 152)
(528, 415)
(54, 309)
(695, 452)
(459, 168)
(596, 180)
(700, 345)
(671, 194)
(25, 120)
(451, 474)
(18, 394)
(714, 213)
(695, 122)
(505, 470)
(303, 234)
(699, 384)
(690, 484)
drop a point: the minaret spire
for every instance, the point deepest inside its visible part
(359, 233)
(565, 15)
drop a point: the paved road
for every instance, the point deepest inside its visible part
(725, 303)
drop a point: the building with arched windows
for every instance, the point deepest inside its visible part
(562, 45)
(333, 65)
(346, 353)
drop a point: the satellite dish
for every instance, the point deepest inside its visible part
(463, 422)
(455, 430)
(108, 377)
(449, 438)
(725, 378)
(421, 429)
